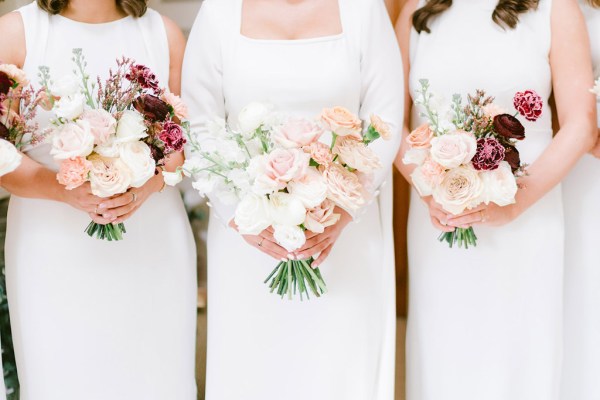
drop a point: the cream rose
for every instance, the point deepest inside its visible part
(109, 176)
(459, 189)
(69, 107)
(289, 237)
(500, 185)
(73, 172)
(342, 122)
(320, 217)
(420, 138)
(252, 215)
(253, 116)
(71, 140)
(344, 188)
(179, 107)
(102, 124)
(10, 158)
(297, 132)
(311, 190)
(137, 156)
(415, 156)
(172, 178)
(380, 126)
(286, 209)
(109, 149)
(356, 155)
(453, 149)
(131, 127)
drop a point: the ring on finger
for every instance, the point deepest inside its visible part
(260, 243)
(482, 216)
(96, 210)
(133, 197)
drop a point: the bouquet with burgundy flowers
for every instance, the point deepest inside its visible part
(115, 134)
(472, 157)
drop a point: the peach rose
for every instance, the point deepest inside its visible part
(356, 154)
(297, 132)
(15, 73)
(343, 188)
(380, 126)
(73, 172)
(179, 107)
(45, 101)
(491, 110)
(342, 122)
(420, 138)
(320, 217)
(320, 153)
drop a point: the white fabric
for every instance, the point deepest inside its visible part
(581, 191)
(485, 323)
(341, 346)
(91, 319)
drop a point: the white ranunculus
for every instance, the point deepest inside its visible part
(415, 156)
(70, 107)
(131, 127)
(172, 178)
(289, 237)
(421, 183)
(311, 190)
(66, 86)
(109, 176)
(252, 117)
(10, 158)
(137, 156)
(252, 215)
(500, 185)
(71, 140)
(286, 209)
(459, 189)
(453, 149)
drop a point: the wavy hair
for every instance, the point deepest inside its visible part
(594, 3)
(135, 8)
(506, 13)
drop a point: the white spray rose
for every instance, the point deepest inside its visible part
(415, 156)
(252, 215)
(10, 158)
(311, 190)
(172, 178)
(137, 156)
(286, 209)
(66, 86)
(289, 237)
(72, 140)
(70, 107)
(453, 149)
(131, 127)
(500, 185)
(253, 116)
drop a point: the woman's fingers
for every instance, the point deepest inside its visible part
(98, 219)
(311, 252)
(117, 202)
(466, 220)
(438, 225)
(323, 256)
(266, 246)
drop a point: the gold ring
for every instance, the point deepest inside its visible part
(260, 243)
(96, 210)
(134, 198)
(482, 215)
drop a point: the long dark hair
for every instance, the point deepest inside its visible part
(594, 3)
(506, 13)
(135, 8)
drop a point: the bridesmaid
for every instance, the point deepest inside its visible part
(581, 192)
(300, 56)
(485, 323)
(91, 319)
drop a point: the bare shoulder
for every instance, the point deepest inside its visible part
(570, 7)
(406, 13)
(12, 31)
(174, 34)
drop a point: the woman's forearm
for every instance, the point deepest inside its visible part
(33, 180)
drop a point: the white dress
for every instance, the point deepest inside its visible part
(91, 319)
(340, 346)
(485, 323)
(581, 191)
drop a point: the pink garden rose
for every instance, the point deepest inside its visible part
(453, 149)
(320, 217)
(320, 153)
(102, 124)
(179, 107)
(420, 138)
(342, 122)
(73, 172)
(344, 188)
(297, 132)
(72, 140)
(356, 155)
(278, 168)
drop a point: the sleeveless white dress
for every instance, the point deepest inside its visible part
(91, 319)
(339, 346)
(581, 191)
(485, 323)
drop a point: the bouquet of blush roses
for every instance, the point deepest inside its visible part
(18, 107)
(471, 158)
(116, 135)
(278, 173)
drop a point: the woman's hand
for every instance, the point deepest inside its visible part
(439, 217)
(492, 215)
(81, 198)
(121, 207)
(322, 243)
(596, 149)
(265, 242)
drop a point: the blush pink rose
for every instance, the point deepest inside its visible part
(279, 167)
(73, 172)
(297, 132)
(320, 153)
(320, 217)
(432, 170)
(102, 124)
(420, 138)
(342, 122)
(179, 107)
(344, 188)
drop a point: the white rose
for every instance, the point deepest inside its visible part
(415, 156)
(72, 140)
(500, 185)
(109, 176)
(137, 156)
(311, 190)
(252, 117)
(131, 127)
(10, 158)
(252, 215)
(453, 149)
(421, 183)
(286, 209)
(66, 86)
(289, 237)
(459, 189)
(69, 107)
(172, 178)
(109, 149)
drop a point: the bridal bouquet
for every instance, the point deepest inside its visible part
(278, 173)
(114, 134)
(470, 157)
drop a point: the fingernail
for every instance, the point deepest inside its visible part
(101, 206)
(302, 257)
(284, 259)
(106, 216)
(314, 266)
(291, 257)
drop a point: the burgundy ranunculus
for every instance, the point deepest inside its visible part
(528, 104)
(143, 76)
(5, 83)
(490, 153)
(157, 153)
(508, 126)
(512, 157)
(172, 136)
(3, 131)
(153, 108)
